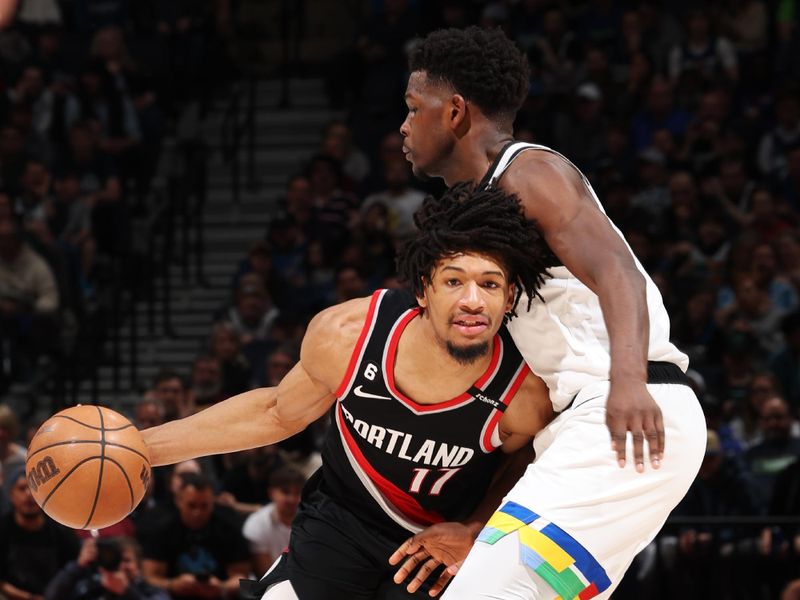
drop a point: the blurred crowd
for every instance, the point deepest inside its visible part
(685, 117)
(88, 91)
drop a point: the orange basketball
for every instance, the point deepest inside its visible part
(88, 467)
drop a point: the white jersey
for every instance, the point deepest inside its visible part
(564, 340)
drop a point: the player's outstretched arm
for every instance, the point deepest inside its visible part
(582, 237)
(268, 415)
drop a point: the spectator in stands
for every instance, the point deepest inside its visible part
(704, 57)
(33, 548)
(245, 485)
(206, 383)
(349, 284)
(785, 364)
(581, 133)
(226, 346)
(695, 330)
(778, 449)
(659, 112)
(100, 186)
(280, 361)
(764, 268)
(337, 142)
(775, 144)
(253, 313)
(148, 412)
(195, 552)
(745, 415)
(556, 51)
(109, 569)
(267, 530)
(29, 301)
(335, 208)
(753, 310)
(69, 220)
(722, 488)
(259, 260)
(785, 502)
(169, 389)
(12, 455)
(787, 248)
(401, 200)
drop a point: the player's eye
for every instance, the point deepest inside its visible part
(453, 282)
(492, 285)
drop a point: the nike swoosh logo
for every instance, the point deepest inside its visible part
(359, 392)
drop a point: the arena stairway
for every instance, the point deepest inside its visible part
(285, 138)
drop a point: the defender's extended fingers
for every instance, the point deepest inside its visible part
(662, 438)
(653, 440)
(618, 444)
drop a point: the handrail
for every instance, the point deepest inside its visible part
(236, 129)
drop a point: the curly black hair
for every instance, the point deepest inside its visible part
(482, 65)
(468, 219)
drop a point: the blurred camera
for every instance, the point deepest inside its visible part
(109, 554)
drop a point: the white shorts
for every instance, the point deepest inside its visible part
(573, 523)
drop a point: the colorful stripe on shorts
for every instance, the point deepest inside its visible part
(549, 551)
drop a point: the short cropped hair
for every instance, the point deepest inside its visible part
(482, 65)
(470, 220)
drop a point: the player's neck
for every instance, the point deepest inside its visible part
(473, 156)
(432, 357)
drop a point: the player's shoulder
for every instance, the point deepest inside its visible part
(341, 321)
(543, 162)
(332, 333)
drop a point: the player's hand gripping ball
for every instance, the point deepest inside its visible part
(88, 467)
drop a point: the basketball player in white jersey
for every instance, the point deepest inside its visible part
(599, 338)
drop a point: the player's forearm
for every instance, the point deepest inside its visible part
(623, 299)
(241, 422)
(509, 472)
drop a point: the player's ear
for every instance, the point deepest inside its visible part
(422, 299)
(512, 294)
(457, 115)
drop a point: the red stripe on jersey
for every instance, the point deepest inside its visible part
(388, 369)
(404, 503)
(506, 399)
(362, 338)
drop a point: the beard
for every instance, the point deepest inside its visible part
(466, 355)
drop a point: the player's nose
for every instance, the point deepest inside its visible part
(404, 127)
(472, 299)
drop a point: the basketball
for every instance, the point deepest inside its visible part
(88, 467)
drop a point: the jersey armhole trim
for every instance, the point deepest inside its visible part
(507, 397)
(358, 350)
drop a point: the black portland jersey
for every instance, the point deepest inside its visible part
(395, 462)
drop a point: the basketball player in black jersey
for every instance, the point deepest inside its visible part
(423, 389)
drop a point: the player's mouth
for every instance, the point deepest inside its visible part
(471, 326)
(407, 153)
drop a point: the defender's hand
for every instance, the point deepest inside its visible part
(630, 407)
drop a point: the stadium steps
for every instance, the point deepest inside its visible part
(285, 138)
